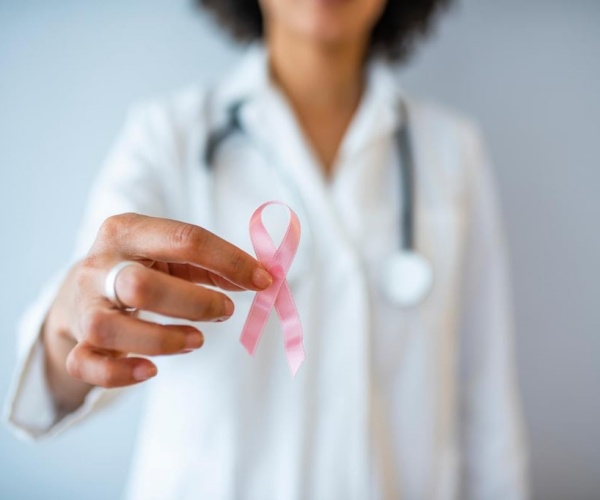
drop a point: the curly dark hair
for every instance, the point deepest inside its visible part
(401, 24)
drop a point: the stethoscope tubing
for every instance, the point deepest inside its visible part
(403, 144)
(407, 275)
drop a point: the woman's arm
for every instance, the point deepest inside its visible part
(73, 339)
(88, 341)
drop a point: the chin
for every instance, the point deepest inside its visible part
(327, 36)
(328, 28)
(331, 22)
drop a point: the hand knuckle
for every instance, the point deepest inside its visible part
(236, 262)
(188, 237)
(95, 327)
(110, 227)
(115, 225)
(83, 274)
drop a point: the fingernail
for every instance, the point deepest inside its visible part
(144, 372)
(194, 340)
(261, 278)
(229, 307)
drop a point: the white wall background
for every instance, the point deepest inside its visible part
(528, 70)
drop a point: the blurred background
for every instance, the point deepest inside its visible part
(527, 70)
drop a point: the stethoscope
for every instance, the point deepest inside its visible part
(406, 275)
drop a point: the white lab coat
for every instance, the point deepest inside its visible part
(418, 403)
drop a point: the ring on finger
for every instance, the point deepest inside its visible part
(110, 290)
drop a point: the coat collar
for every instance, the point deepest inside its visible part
(378, 113)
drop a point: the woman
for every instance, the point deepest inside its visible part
(391, 402)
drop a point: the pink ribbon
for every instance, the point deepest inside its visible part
(278, 295)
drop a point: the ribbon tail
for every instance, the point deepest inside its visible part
(292, 329)
(257, 318)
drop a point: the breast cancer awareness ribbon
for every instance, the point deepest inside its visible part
(278, 295)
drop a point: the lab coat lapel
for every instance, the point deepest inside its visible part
(362, 175)
(330, 210)
(268, 119)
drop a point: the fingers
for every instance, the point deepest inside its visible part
(194, 274)
(198, 275)
(154, 291)
(111, 330)
(142, 237)
(104, 369)
(181, 255)
(107, 334)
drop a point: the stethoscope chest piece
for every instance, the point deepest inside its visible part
(407, 278)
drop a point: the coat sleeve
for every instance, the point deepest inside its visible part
(130, 181)
(493, 442)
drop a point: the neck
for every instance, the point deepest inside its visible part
(315, 76)
(323, 84)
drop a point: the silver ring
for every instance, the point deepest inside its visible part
(110, 291)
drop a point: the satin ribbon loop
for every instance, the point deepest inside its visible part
(278, 295)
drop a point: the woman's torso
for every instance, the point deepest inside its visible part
(373, 411)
